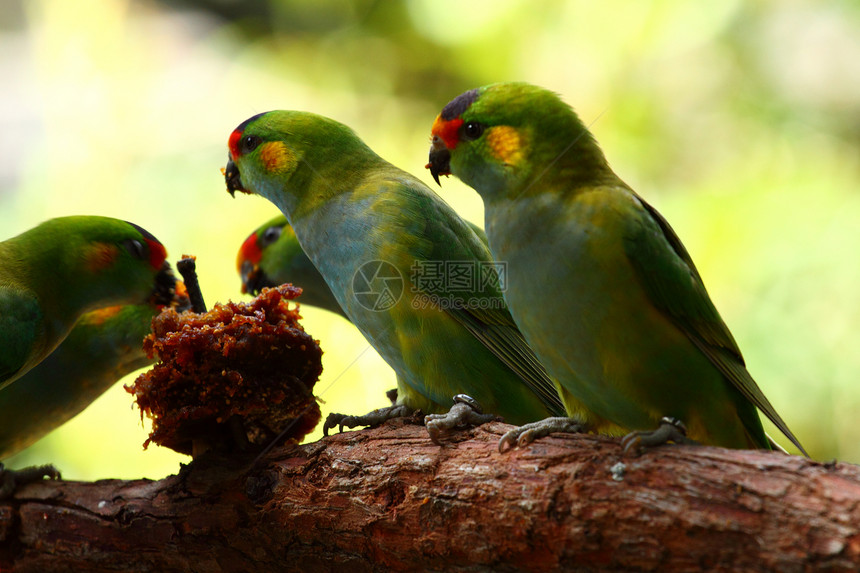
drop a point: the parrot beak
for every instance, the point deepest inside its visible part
(440, 159)
(168, 292)
(232, 178)
(254, 279)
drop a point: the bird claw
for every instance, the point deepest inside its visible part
(523, 435)
(373, 418)
(465, 412)
(10, 480)
(670, 430)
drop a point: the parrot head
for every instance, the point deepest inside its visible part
(254, 250)
(108, 260)
(272, 256)
(276, 154)
(239, 145)
(502, 138)
(128, 258)
(153, 251)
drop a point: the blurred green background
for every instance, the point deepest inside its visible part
(739, 120)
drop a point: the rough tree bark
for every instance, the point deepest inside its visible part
(389, 499)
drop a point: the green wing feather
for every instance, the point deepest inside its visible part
(493, 327)
(20, 317)
(667, 280)
(505, 341)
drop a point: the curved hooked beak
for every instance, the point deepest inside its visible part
(440, 159)
(254, 279)
(168, 291)
(232, 178)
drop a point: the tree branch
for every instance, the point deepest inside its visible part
(389, 499)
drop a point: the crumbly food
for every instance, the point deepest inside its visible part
(246, 368)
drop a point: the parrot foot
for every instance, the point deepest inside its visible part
(528, 433)
(670, 430)
(464, 412)
(373, 418)
(10, 480)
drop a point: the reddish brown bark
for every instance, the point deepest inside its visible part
(388, 499)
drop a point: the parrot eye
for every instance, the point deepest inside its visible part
(270, 235)
(250, 143)
(136, 249)
(473, 130)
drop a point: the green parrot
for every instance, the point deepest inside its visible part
(61, 269)
(382, 239)
(632, 335)
(50, 276)
(105, 345)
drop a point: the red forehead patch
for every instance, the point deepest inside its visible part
(249, 251)
(157, 253)
(233, 143)
(447, 131)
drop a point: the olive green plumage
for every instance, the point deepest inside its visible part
(104, 346)
(632, 334)
(61, 269)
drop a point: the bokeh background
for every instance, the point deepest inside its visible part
(739, 120)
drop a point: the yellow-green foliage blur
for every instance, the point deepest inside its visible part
(739, 120)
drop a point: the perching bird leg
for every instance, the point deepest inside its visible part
(528, 433)
(464, 412)
(670, 430)
(373, 418)
(10, 480)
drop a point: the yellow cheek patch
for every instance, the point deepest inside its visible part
(505, 144)
(100, 256)
(276, 157)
